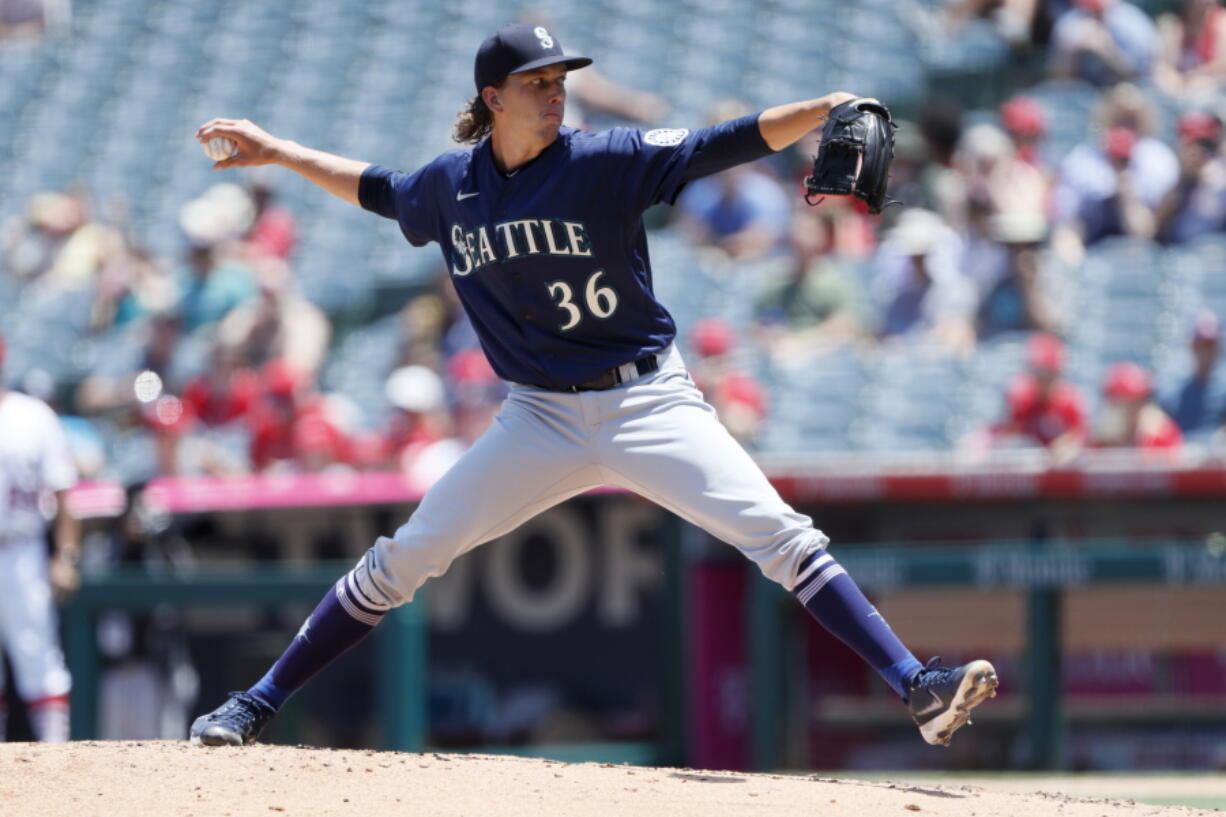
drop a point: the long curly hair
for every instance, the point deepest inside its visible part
(474, 122)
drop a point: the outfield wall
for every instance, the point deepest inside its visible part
(606, 623)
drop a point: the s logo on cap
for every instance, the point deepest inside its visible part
(542, 34)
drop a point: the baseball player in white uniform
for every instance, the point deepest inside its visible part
(36, 471)
(540, 225)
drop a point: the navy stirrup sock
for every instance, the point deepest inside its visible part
(838, 604)
(337, 623)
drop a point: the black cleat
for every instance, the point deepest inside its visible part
(941, 699)
(237, 722)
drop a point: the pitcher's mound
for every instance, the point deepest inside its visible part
(173, 779)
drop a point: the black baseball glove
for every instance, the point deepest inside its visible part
(855, 154)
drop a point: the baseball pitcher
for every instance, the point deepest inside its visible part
(541, 228)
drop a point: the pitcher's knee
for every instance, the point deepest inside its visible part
(785, 564)
(396, 566)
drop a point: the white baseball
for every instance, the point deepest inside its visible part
(218, 148)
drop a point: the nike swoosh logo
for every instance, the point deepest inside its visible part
(932, 707)
(462, 196)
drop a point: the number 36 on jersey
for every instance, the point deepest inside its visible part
(525, 237)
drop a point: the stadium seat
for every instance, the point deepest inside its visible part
(382, 80)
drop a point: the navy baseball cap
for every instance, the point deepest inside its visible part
(520, 47)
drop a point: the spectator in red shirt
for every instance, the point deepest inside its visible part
(418, 418)
(1191, 59)
(225, 392)
(473, 394)
(216, 406)
(1131, 418)
(291, 425)
(737, 397)
(1043, 408)
(274, 231)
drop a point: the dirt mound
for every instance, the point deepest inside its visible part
(173, 779)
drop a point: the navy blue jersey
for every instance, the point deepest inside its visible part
(551, 262)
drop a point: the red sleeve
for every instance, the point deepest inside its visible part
(740, 388)
(1020, 397)
(1072, 410)
(313, 432)
(275, 233)
(1164, 435)
(196, 392)
(244, 393)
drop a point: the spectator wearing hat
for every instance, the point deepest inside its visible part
(1103, 42)
(994, 179)
(1130, 417)
(811, 302)
(58, 241)
(738, 398)
(1011, 295)
(1003, 218)
(418, 418)
(1043, 408)
(293, 427)
(1191, 60)
(1112, 184)
(918, 288)
(1189, 407)
(32, 241)
(713, 338)
(1026, 123)
(473, 392)
(1196, 205)
(216, 275)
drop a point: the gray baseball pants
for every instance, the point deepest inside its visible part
(654, 436)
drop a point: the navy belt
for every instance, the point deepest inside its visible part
(620, 374)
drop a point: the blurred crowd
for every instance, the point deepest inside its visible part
(987, 222)
(219, 363)
(219, 371)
